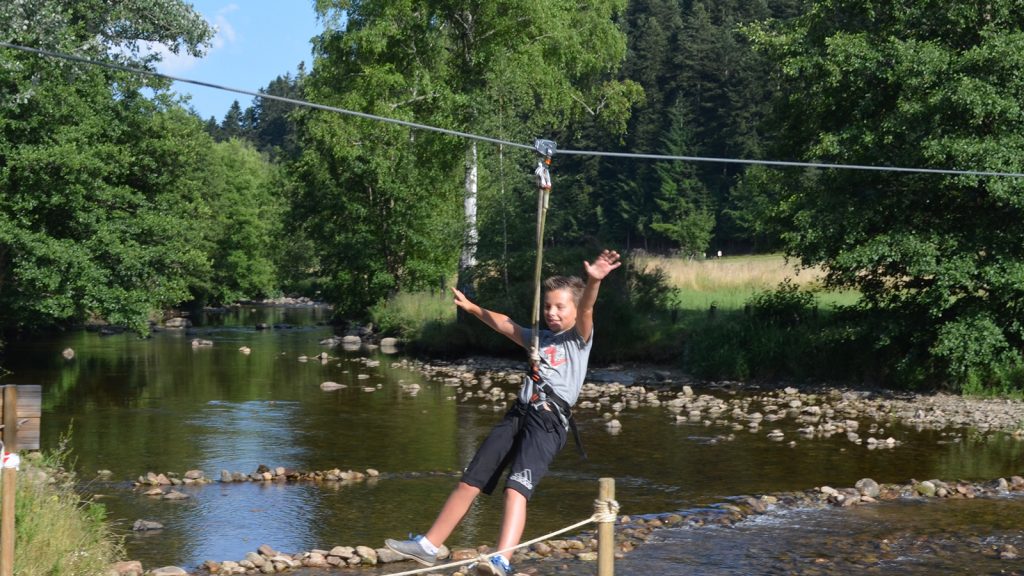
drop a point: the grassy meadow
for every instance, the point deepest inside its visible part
(729, 283)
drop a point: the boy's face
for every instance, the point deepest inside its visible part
(559, 310)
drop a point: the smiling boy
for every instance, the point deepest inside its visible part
(534, 430)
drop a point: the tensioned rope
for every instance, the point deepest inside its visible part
(471, 136)
(604, 511)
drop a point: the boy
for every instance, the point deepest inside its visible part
(534, 430)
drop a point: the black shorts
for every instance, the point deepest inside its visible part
(526, 441)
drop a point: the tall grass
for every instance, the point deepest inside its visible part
(57, 532)
(407, 314)
(729, 283)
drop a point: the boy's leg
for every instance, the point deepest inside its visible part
(541, 439)
(451, 514)
(514, 521)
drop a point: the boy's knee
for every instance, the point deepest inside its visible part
(467, 489)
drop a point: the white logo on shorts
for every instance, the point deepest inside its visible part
(524, 477)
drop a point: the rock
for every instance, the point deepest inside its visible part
(351, 339)
(389, 342)
(387, 556)
(245, 350)
(926, 488)
(225, 476)
(194, 475)
(330, 386)
(167, 571)
(344, 552)
(175, 495)
(316, 560)
(143, 525)
(154, 492)
(266, 550)
(201, 343)
(868, 487)
(177, 322)
(126, 568)
(368, 555)
(1008, 552)
(68, 353)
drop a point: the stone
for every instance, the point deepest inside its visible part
(368, 555)
(175, 495)
(154, 492)
(143, 525)
(194, 475)
(126, 568)
(868, 487)
(387, 556)
(344, 552)
(225, 476)
(316, 560)
(331, 386)
(68, 353)
(926, 488)
(168, 571)
(267, 551)
(201, 343)
(389, 342)
(177, 322)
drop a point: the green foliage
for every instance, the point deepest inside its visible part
(786, 306)
(97, 183)
(911, 84)
(244, 223)
(58, 533)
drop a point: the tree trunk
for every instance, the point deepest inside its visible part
(467, 260)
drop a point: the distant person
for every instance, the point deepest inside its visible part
(534, 430)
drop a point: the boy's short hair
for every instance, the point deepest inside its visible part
(574, 284)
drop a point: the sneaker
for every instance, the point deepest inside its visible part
(412, 550)
(493, 568)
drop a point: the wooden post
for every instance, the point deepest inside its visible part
(606, 531)
(10, 481)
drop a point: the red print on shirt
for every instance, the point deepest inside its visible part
(553, 360)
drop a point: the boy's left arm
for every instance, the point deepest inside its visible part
(603, 265)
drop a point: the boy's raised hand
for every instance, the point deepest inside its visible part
(607, 261)
(461, 301)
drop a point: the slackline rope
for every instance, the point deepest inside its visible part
(604, 511)
(471, 136)
(546, 149)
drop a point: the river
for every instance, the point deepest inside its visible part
(131, 406)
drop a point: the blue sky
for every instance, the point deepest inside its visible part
(256, 41)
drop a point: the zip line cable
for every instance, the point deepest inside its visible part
(471, 136)
(304, 103)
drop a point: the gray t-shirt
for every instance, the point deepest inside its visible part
(563, 363)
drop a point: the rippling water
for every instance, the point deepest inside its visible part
(159, 405)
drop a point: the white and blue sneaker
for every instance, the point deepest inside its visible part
(497, 566)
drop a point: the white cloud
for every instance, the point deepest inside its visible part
(223, 37)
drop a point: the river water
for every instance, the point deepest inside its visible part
(133, 405)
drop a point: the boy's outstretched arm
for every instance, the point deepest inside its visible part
(603, 265)
(499, 322)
